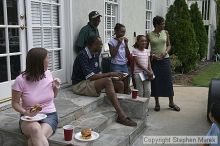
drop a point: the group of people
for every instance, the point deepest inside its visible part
(36, 84)
(153, 63)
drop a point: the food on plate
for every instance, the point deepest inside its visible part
(86, 133)
(36, 108)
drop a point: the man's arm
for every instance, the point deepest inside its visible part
(81, 40)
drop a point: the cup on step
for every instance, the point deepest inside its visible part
(68, 132)
(134, 93)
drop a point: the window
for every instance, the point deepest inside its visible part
(111, 18)
(205, 9)
(148, 16)
(46, 29)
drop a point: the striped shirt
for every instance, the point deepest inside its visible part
(142, 58)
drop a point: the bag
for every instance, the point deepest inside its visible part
(106, 62)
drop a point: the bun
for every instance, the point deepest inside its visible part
(86, 133)
(36, 108)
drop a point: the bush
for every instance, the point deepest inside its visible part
(199, 28)
(182, 35)
(175, 63)
(217, 41)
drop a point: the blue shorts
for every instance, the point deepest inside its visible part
(119, 68)
(51, 119)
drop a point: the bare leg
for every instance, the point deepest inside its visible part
(46, 130)
(126, 85)
(107, 84)
(34, 132)
(172, 105)
(157, 104)
(119, 86)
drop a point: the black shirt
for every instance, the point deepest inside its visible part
(85, 66)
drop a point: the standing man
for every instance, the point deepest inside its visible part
(91, 29)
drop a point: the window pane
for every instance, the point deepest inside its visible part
(46, 0)
(2, 41)
(47, 38)
(56, 15)
(108, 23)
(108, 9)
(46, 10)
(57, 60)
(1, 13)
(3, 69)
(13, 34)
(12, 12)
(55, 1)
(50, 56)
(35, 13)
(15, 66)
(56, 38)
(37, 37)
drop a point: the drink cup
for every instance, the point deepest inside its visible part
(68, 132)
(134, 93)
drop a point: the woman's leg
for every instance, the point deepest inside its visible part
(157, 104)
(46, 129)
(173, 105)
(34, 132)
(126, 85)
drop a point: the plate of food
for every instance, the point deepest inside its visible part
(38, 117)
(86, 135)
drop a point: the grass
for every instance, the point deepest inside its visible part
(203, 77)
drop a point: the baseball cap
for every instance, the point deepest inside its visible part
(94, 14)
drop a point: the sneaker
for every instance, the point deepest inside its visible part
(126, 121)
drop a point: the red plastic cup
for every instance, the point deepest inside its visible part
(134, 93)
(68, 132)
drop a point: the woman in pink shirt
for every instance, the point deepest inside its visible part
(36, 86)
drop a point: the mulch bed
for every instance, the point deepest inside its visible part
(186, 79)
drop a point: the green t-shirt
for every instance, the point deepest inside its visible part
(84, 34)
(158, 42)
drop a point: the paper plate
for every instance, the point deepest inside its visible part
(94, 136)
(38, 117)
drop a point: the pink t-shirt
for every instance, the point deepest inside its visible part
(142, 58)
(40, 92)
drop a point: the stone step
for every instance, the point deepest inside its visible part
(102, 120)
(70, 106)
(81, 111)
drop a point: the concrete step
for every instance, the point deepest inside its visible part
(102, 120)
(80, 111)
(70, 106)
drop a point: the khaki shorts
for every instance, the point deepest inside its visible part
(85, 87)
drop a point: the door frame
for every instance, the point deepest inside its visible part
(6, 86)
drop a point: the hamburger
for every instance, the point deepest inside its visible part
(86, 133)
(36, 108)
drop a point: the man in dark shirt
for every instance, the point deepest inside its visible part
(89, 81)
(89, 30)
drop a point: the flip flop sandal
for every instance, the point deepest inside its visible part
(174, 107)
(157, 108)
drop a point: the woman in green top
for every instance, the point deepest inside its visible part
(162, 85)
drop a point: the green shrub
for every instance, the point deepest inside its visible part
(199, 28)
(182, 35)
(217, 42)
(175, 63)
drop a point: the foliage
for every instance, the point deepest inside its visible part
(175, 62)
(182, 35)
(199, 28)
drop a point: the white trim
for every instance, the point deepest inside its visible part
(89, 75)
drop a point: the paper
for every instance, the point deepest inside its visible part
(143, 76)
